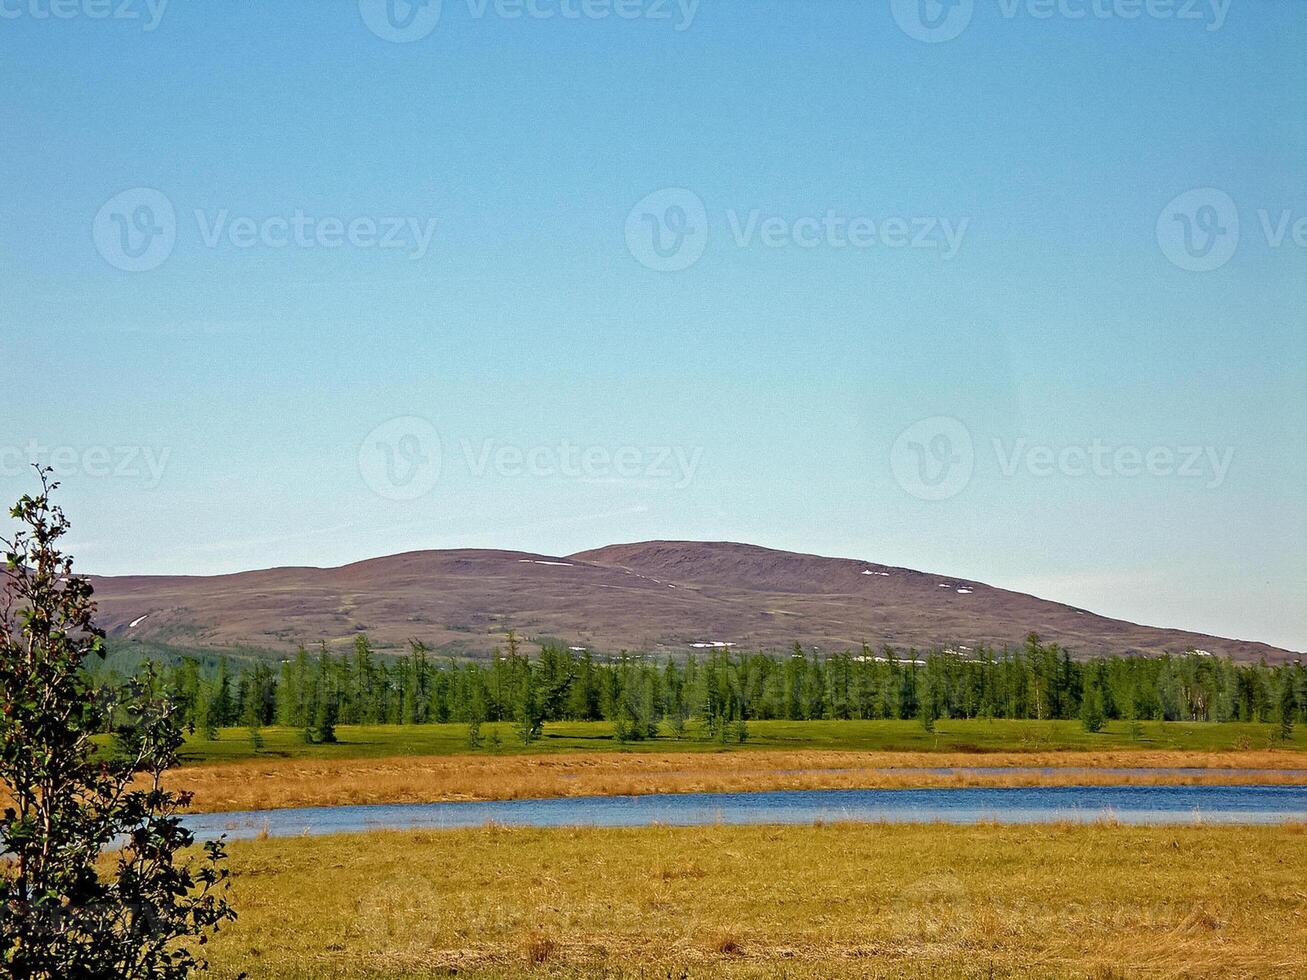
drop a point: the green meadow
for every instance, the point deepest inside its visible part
(963, 735)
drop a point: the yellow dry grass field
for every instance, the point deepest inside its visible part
(313, 782)
(837, 901)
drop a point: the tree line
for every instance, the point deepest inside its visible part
(723, 690)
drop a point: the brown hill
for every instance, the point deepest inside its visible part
(654, 596)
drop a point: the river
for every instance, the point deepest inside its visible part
(1035, 804)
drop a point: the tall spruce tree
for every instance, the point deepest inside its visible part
(1287, 706)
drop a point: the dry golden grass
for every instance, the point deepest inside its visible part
(304, 782)
(837, 901)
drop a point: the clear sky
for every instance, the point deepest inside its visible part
(302, 283)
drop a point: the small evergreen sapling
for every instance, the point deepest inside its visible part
(1091, 710)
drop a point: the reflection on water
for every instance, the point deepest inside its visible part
(1035, 804)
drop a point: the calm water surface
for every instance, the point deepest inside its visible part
(1039, 804)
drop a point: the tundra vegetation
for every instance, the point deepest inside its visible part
(834, 901)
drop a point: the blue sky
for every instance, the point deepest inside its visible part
(1017, 369)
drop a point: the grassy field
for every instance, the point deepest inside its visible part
(381, 741)
(837, 901)
(275, 783)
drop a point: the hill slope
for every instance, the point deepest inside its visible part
(654, 596)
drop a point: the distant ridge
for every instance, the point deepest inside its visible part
(654, 596)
